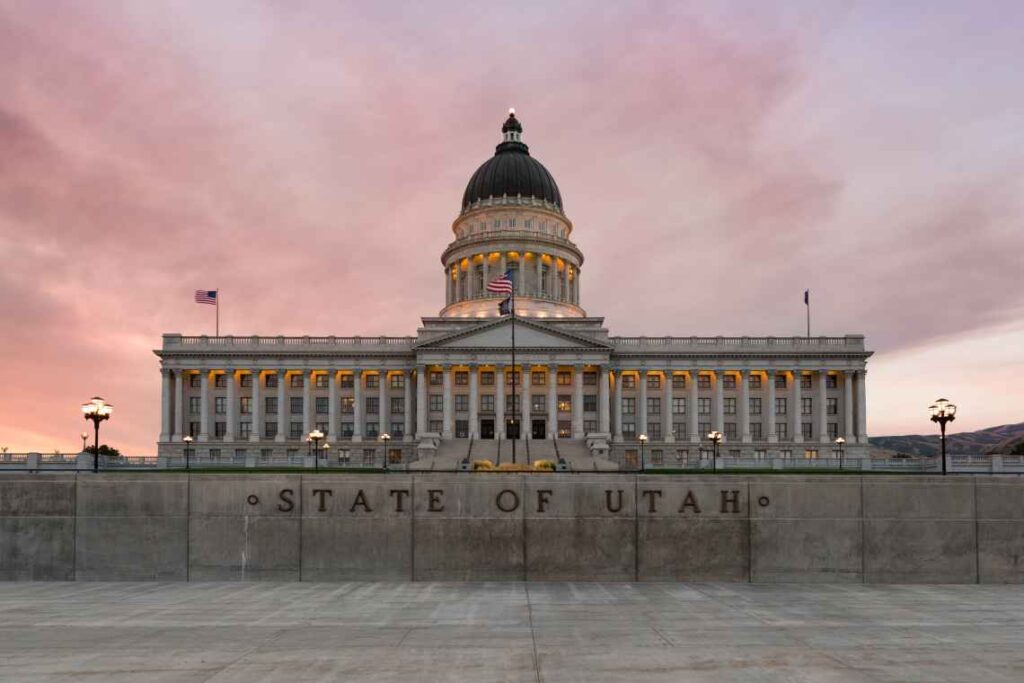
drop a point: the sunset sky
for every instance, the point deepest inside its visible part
(308, 158)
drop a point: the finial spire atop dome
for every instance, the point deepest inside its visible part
(512, 130)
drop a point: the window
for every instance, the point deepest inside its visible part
(245, 380)
(220, 429)
(193, 429)
(215, 454)
(511, 222)
(372, 430)
(348, 405)
(653, 381)
(372, 405)
(461, 403)
(654, 406)
(805, 430)
(220, 381)
(630, 459)
(728, 381)
(323, 427)
(831, 381)
(786, 454)
(270, 381)
(296, 381)
(436, 378)
(296, 405)
(528, 223)
(461, 378)
(703, 406)
(347, 429)
(703, 429)
(435, 427)
(398, 381)
(806, 406)
(270, 429)
(322, 405)
(194, 405)
(398, 405)
(811, 454)
(703, 381)
(730, 430)
(321, 381)
(398, 429)
(193, 381)
(487, 378)
(780, 406)
(781, 431)
(564, 378)
(497, 222)
(512, 378)
(628, 405)
(780, 381)
(755, 406)
(760, 454)
(537, 403)
(755, 381)
(220, 405)
(589, 426)
(545, 274)
(369, 456)
(295, 430)
(755, 431)
(832, 406)
(245, 405)
(436, 403)
(512, 404)
(589, 403)
(679, 430)
(590, 379)
(270, 404)
(678, 406)
(462, 429)
(629, 381)
(348, 381)
(487, 404)
(537, 378)
(564, 429)
(373, 381)
(564, 403)
(678, 381)
(729, 406)
(805, 381)
(654, 431)
(629, 430)
(833, 431)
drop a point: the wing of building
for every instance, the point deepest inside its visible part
(455, 385)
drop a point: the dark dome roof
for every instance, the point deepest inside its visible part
(512, 171)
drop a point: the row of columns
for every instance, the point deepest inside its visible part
(562, 285)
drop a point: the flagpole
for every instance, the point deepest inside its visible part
(513, 301)
(217, 307)
(807, 300)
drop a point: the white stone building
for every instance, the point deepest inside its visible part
(450, 387)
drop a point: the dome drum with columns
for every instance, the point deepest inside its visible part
(580, 393)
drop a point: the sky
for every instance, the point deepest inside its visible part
(307, 159)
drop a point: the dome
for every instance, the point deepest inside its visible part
(512, 172)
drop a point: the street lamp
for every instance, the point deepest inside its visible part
(841, 445)
(188, 450)
(314, 438)
(643, 442)
(97, 410)
(716, 438)
(386, 438)
(85, 435)
(326, 448)
(942, 412)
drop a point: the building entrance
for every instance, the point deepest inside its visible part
(539, 429)
(486, 429)
(511, 429)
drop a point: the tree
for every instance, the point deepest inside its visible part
(104, 450)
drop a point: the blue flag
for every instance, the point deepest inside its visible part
(505, 307)
(807, 297)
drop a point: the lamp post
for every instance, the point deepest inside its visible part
(643, 442)
(188, 451)
(386, 438)
(326, 448)
(942, 412)
(97, 410)
(314, 437)
(85, 435)
(715, 437)
(841, 446)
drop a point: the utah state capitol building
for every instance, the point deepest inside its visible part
(450, 386)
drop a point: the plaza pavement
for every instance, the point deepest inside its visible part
(554, 632)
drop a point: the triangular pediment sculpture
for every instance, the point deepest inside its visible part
(498, 335)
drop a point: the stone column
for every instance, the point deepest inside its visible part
(822, 406)
(862, 407)
(383, 403)
(357, 405)
(407, 400)
(539, 263)
(692, 418)
(446, 405)
(744, 407)
(577, 403)
(179, 405)
(456, 294)
(471, 274)
(333, 409)
(282, 405)
(474, 402)
(487, 272)
(524, 427)
(848, 430)
(166, 399)
(307, 402)
(421, 400)
(499, 401)
(552, 401)
(617, 431)
(503, 262)
(795, 409)
(772, 437)
(667, 420)
(604, 412)
(641, 409)
(719, 409)
(204, 405)
(232, 408)
(256, 411)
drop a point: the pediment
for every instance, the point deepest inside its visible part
(530, 334)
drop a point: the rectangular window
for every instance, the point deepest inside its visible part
(703, 429)
(811, 454)
(398, 381)
(537, 403)
(436, 403)
(653, 381)
(372, 405)
(462, 429)
(629, 381)
(755, 431)
(296, 405)
(193, 381)
(220, 429)
(270, 381)
(373, 381)
(245, 381)
(833, 431)
(678, 406)
(295, 430)
(564, 378)
(729, 381)
(654, 406)
(512, 404)
(703, 381)
(487, 378)
(461, 403)
(538, 379)
(398, 406)
(565, 403)
(461, 378)
(833, 406)
(755, 381)
(590, 379)
(487, 403)
(755, 406)
(703, 406)
(780, 381)
(322, 405)
(831, 381)
(323, 427)
(348, 405)
(679, 430)
(193, 429)
(805, 430)
(629, 430)
(194, 405)
(220, 405)
(270, 429)
(729, 406)
(369, 456)
(435, 427)
(628, 405)
(806, 406)
(781, 430)
(678, 381)
(805, 381)
(436, 378)
(348, 381)
(397, 429)
(321, 381)
(730, 430)
(372, 430)
(296, 381)
(347, 428)
(512, 378)
(590, 426)
(565, 429)
(780, 406)
(220, 381)
(245, 405)
(590, 403)
(654, 431)
(270, 405)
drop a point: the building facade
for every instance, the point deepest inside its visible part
(455, 385)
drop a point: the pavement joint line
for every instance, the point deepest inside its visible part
(533, 634)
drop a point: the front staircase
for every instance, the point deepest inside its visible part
(451, 452)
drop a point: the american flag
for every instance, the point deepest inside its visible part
(204, 296)
(502, 285)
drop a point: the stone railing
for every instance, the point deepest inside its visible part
(178, 341)
(853, 342)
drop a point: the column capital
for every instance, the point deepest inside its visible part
(553, 368)
(282, 371)
(848, 373)
(357, 372)
(744, 372)
(166, 372)
(229, 371)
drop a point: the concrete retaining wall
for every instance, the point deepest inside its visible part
(429, 527)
